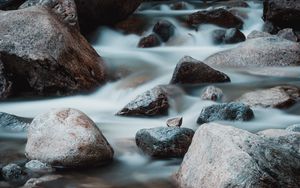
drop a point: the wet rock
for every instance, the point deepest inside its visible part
(230, 36)
(258, 34)
(43, 52)
(67, 138)
(212, 93)
(10, 4)
(192, 71)
(38, 182)
(164, 141)
(276, 97)
(14, 123)
(218, 36)
(164, 29)
(174, 122)
(282, 13)
(153, 102)
(149, 41)
(258, 52)
(288, 34)
(37, 166)
(224, 156)
(219, 17)
(133, 24)
(5, 83)
(225, 112)
(233, 3)
(294, 128)
(181, 5)
(14, 174)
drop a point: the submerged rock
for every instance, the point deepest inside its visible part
(14, 123)
(164, 141)
(212, 93)
(149, 41)
(14, 174)
(192, 71)
(67, 138)
(276, 97)
(219, 17)
(225, 112)
(223, 156)
(38, 166)
(150, 103)
(164, 29)
(174, 122)
(230, 36)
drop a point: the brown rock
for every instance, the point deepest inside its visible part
(174, 122)
(149, 41)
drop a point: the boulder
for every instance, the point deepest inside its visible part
(212, 93)
(276, 97)
(43, 52)
(153, 102)
(67, 138)
(219, 17)
(13, 123)
(164, 141)
(258, 34)
(192, 71)
(149, 41)
(224, 156)
(225, 112)
(164, 29)
(259, 52)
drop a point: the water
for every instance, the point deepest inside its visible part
(141, 70)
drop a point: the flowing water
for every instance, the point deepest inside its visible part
(143, 69)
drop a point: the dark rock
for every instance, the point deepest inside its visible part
(5, 83)
(276, 97)
(43, 52)
(233, 3)
(164, 29)
(212, 93)
(233, 36)
(258, 34)
(153, 102)
(10, 4)
(192, 71)
(294, 128)
(259, 52)
(133, 25)
(181, 5)
(220, 17)
(151, 40)
(14, 174)
(270, 28)
(14, 123)
(164, 141)
(226, 112)
(174, 122)
(288, 34)
(282, 13)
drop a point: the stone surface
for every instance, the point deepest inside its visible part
(43, 52)
(14, 174)
(149, 41)
(174, 122)
(212, 93)
(225, 112)
(153, 102)
(67, 138)
(223, 156)
(192, 71)
(294, 128)
(219, 17)
(164, 29)
(233, 4)
(258, 34)
(259, 52)
(39, 182)
(288, 34)
(10, 4)
(164, 141)
(37, 166)
(14, 123)
(276, 97)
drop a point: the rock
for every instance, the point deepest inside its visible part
(233, 3)
(164, 141)
(37, 166)
(192, 71)
(149, 41)
(223, 156)
(14, 174)
(10, 4)
(229, 36)
(294, 128)
(181, 5)
(259, 52)
(212, 93)
(5, 83)
(258, 34)
(66, 138)
(282, 13)
(225, 112)
(133, 25)
(174, 122)
(14, 123)
(43, 52)
(288, 34)
(219, 17)
(276, 97)
(218, 36)
(164, 29)
(38, 182)
(153, 102)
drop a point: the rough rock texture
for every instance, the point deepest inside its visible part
(233, 3)
(174, 122)
(258, 34)
(259, 52)
(223, 112)
(68, 138)
(14, 123)
(282, 13)
(192, 71)
(212, 93)
(14, 174)
(42, 51)
(288, 34)
(150, 103)
(10, 4)
(164, 141)
(276, 97)
(294, 128)
(37, 166)
(149, 41)
(223, 156)
(219, 17)
(164, 29)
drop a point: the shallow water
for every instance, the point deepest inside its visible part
(141, 70)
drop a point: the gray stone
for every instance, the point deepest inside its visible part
(294, 128)
(37, 182)
(212, 93)
(288, 34)
(14, 174)
(258, 34)
(164, 141)
(13, 123)
(37, 166)
(174, 122)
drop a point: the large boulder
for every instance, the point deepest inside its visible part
(67, 138)
(43, 52)
(223, 156)
(259, 52)
(164, 141)
(192, 71)
(13, 123)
